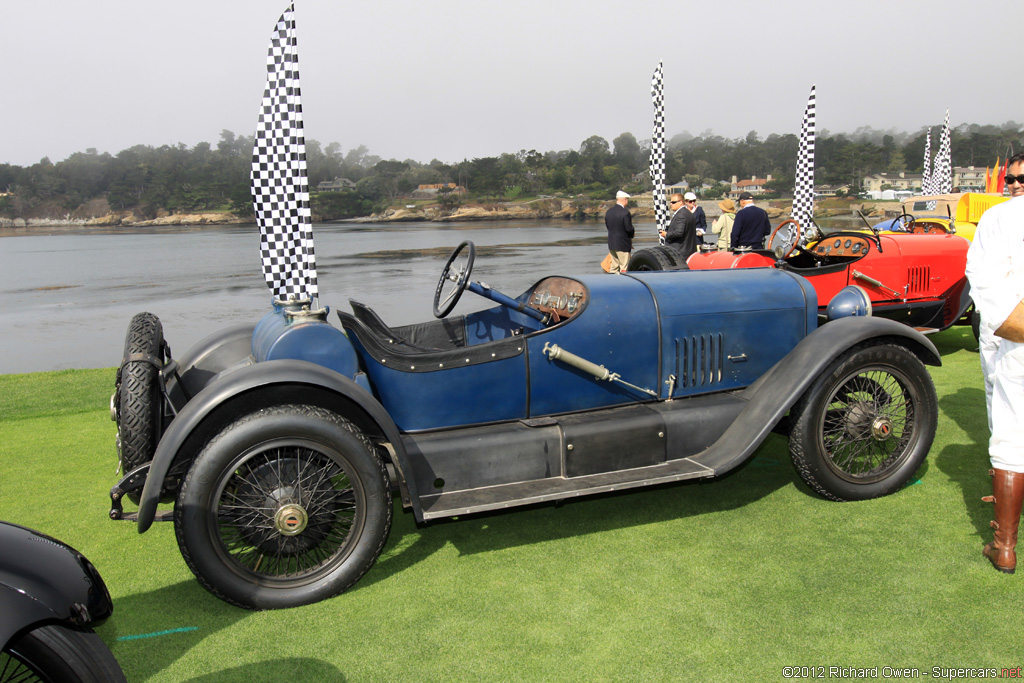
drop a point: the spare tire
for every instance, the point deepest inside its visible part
(657, 258)
(138, 401)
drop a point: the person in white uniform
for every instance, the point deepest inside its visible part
(995, 270)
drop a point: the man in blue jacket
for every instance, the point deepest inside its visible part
(751, 225)
(690, 201)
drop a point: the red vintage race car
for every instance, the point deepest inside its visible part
(915, 279)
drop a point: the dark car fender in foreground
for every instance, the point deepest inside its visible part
(50, 598)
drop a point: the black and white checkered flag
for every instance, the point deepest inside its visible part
(280, 187)
(803, 193)
(661, 216)
(926, 174)
(942, 171)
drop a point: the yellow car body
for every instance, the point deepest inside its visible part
(963, 209)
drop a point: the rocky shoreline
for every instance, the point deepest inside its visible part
(539, 209)
(569, 210)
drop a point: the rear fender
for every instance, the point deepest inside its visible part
(257, 386)
(776, 391)
(224, 350)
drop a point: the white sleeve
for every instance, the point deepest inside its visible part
(995, 286)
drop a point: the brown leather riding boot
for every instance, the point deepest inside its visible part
(1007, 494)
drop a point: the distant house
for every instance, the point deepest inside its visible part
(892, 181)
(682, 187)
(969, 178)
(830, 190)
(336, 185)
(430, 190)
(754, 186)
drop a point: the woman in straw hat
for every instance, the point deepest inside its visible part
(723, 224)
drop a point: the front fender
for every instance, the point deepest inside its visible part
(43, 580)
(234, 387)
(775, 392)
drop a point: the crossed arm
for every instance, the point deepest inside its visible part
(1013, 327)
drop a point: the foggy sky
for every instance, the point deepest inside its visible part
(458, 79)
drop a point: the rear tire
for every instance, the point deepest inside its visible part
(285, 507)
(138, 400)
(866, 423)
(656, 258)
(57, 654)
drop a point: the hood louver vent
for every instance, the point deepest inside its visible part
(918, 278)
(699, 360)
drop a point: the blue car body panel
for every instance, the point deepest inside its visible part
(680, 335)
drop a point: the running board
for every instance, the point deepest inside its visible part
(556, 488)
(927, 330)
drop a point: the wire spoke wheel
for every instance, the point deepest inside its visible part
(14, 670)
(866, 423)
(287, 512)
(284, 507)
(54, 653)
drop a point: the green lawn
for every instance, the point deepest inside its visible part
(724, 580)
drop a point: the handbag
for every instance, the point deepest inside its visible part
(606, 264)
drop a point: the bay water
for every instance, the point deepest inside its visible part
(69, 294)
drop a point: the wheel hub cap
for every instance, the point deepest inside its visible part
(881, 428)
(290, 520)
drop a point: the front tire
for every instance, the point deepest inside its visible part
(285, 507)
(866, 424)
(57, 654)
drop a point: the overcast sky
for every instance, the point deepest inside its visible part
(458, 79)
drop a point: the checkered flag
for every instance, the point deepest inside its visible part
(661, 216)
(926, 175)
(942, 172)
(803, 194)
(280, 187)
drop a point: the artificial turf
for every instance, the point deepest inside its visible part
(731, 579)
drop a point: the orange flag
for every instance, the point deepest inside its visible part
(1000, 181)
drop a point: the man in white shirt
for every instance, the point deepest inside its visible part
(995, 270)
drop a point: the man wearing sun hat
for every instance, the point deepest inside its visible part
(619, 223)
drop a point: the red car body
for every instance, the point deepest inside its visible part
(915, 279)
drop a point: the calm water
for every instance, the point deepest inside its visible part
(68, 295)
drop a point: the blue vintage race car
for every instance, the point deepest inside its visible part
(281, 444)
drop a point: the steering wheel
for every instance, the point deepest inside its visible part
(788, 239)
(456, 273)
(906, 222)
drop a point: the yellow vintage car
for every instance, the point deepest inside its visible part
(958, 212)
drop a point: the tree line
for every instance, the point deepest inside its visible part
(178, 179)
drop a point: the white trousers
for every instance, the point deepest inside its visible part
(1003, 366)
